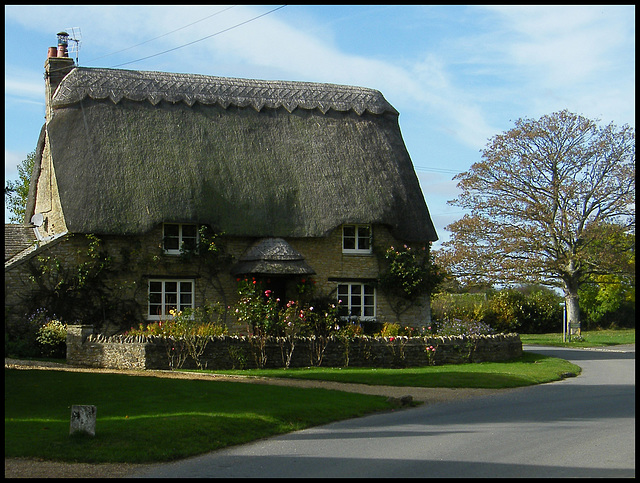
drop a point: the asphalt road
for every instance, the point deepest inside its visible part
(578, 427)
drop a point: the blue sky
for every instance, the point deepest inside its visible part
(457, 74)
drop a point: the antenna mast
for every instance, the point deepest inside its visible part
(75, 36)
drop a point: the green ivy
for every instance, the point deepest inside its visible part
(410, 273)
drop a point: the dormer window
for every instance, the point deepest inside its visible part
(177, 237)
(356, 239)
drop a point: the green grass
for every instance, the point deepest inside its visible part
(524, 371)
(592, 338)
(145, 419)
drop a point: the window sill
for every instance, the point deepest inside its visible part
(360, 253)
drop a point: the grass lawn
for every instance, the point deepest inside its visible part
(527, 370)
(146, 419)
(591, 338)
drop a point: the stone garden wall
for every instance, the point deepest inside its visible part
(238, 352)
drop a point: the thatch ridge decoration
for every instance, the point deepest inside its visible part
(154, 87)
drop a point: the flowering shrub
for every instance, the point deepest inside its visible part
(292, 319)
(394, 329)
(323, 320)
(186, 333)
(311, 316)
(306, 288)
(202, 321)
(346, 333)
(257, 308)
(52, 336)
(321, 323)
(431, 354)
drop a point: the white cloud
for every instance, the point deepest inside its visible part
(571, 56)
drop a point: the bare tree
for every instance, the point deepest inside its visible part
(550, 203)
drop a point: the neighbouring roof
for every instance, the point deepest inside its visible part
(17, 238)
(252, 158)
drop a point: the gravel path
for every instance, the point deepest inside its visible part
(32, 468)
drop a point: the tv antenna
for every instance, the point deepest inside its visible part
(75, 36)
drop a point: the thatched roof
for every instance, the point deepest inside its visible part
(272, 256)
(155, 87)
(252, 158)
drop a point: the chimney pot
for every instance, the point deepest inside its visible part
(53, 52)
(63, 41)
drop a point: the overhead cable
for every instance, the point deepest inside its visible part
(200, 40)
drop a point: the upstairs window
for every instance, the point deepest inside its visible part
(356, 239)
(178, 236)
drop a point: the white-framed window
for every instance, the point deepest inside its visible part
(357, 300)
(356, 239)
(177, 236)
(166, 295)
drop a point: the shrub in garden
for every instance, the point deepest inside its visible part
(186, 333)
(257, 308)
(292, 320)
(390, 329)
(52, 337)
(20, 336)
(23, 338)
(508, 310)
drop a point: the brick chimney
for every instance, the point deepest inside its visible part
(56, 67)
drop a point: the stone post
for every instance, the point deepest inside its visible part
(83, 420)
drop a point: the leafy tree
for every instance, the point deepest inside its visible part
(16, 192)
(552, 202)
(608, 300)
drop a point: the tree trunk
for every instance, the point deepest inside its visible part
(572, 307)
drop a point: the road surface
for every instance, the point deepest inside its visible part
(578, 427)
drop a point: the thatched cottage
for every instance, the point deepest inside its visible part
(303, 180)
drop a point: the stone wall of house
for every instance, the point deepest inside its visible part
(239, 352)
(331, 265)
(18, 286)
(141, 258)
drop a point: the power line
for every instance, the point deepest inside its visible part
(203, 38)
(163, 35)
(436, 170)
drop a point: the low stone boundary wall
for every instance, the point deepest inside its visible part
(239, 352)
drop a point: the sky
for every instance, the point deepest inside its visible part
(457, 74)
